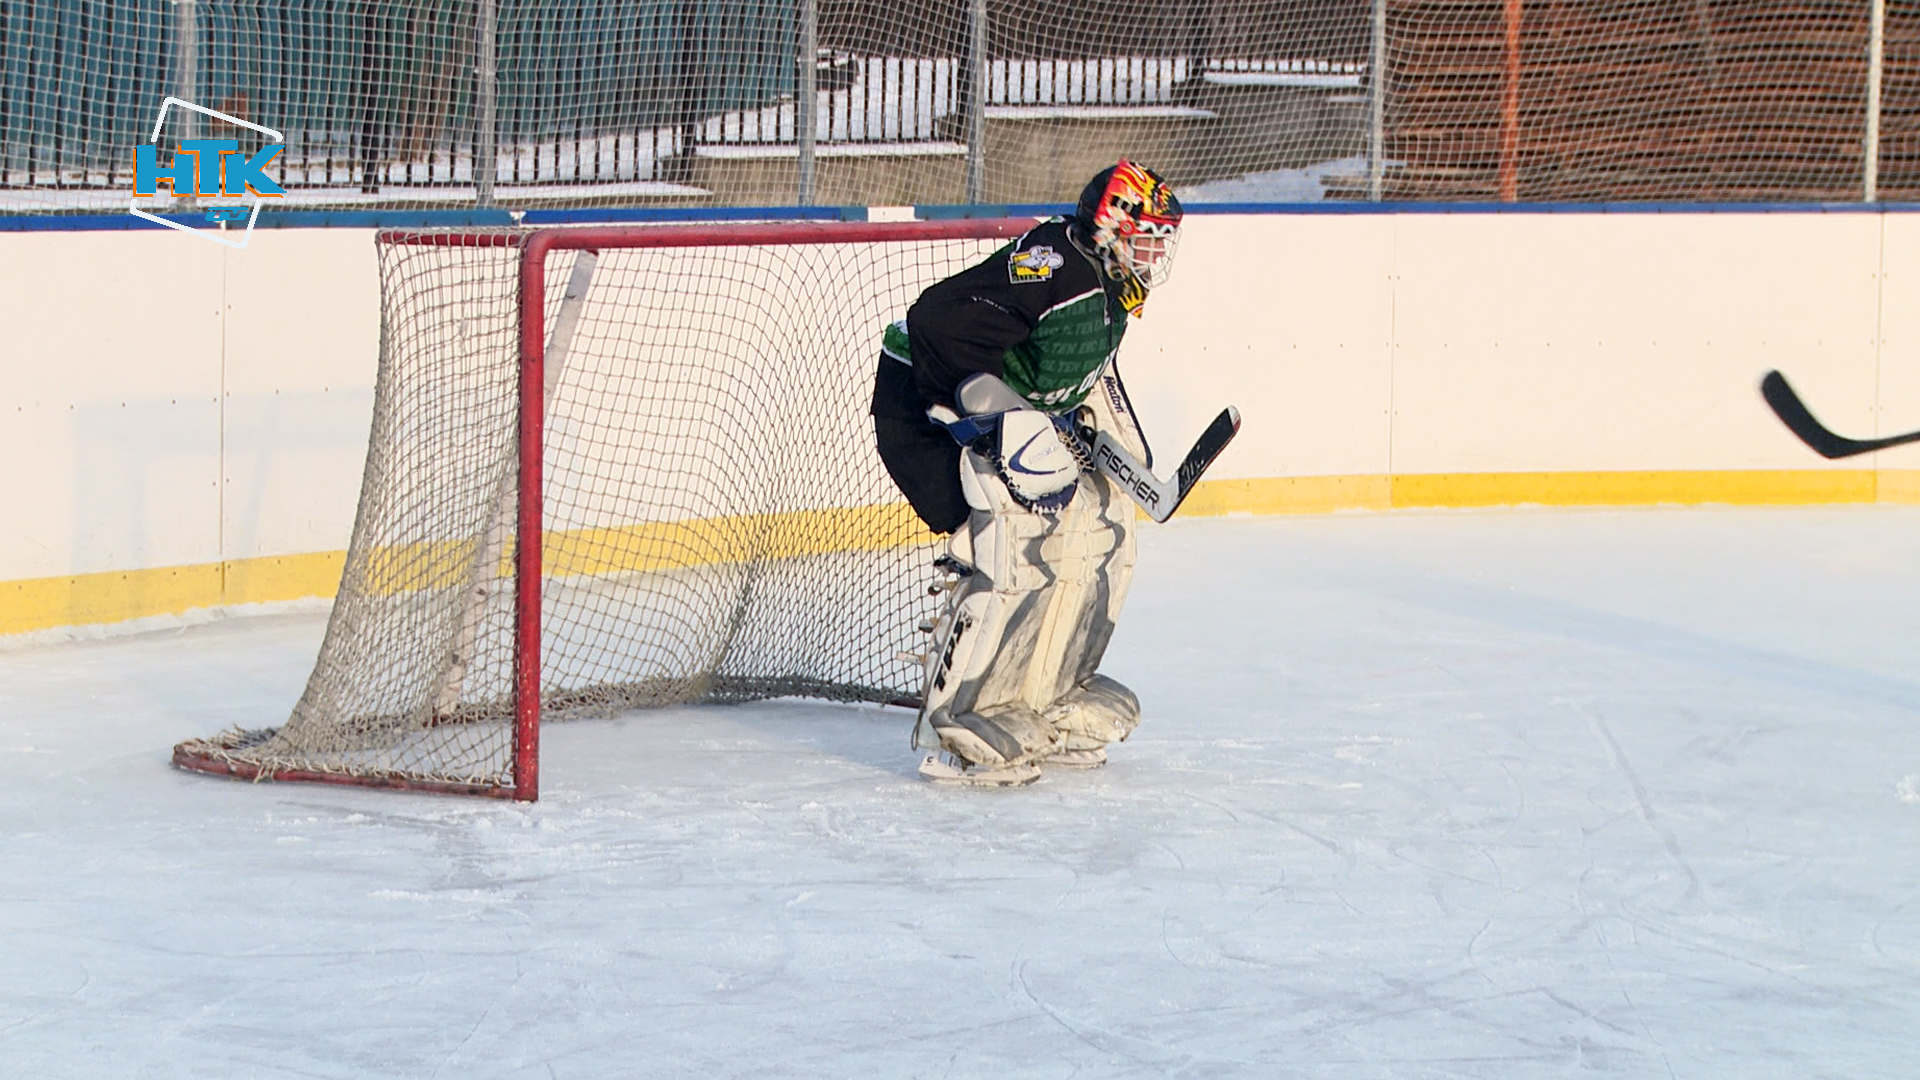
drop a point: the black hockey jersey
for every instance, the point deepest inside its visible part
(1038, 313)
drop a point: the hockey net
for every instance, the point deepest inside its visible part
(627, 467)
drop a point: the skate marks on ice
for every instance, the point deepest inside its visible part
(1418, 800)
(1648, 774)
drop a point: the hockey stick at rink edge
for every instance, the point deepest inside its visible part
(1160, 498)
(1794, 413)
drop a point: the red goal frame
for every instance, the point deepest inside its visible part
(535, 247)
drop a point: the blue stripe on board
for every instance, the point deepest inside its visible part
(73, 223)
(284, 219)
(1343, 207)
(432, 219)
(380, 219)
(428, 219)
(695, 213)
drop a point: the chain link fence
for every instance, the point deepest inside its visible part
(522, 103)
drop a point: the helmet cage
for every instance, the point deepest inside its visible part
(1149, 251)
(1135, 224)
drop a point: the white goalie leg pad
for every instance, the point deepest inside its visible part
(1011, 675)
(1092, 554)
(1089, 557)
(997, 736)
(1095, 714)
(971, 700)
(1079, 759)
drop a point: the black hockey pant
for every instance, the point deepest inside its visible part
(922, 458)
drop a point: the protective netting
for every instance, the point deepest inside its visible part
(531, 103)
(1697, 100)
(718, 526)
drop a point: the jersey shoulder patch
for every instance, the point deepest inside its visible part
(1035, 263)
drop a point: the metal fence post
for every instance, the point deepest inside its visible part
(977, 107)
(369, 100)
(1377, 108)
(686, 92)
(1876, 56)
(1510, 107)
(806, 98)
(186, 80)
(485, 138)
(186, 76)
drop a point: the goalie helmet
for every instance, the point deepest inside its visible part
(1131, 219)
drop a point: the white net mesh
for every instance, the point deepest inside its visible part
(718, 526)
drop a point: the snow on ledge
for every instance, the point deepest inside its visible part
(1099, 112)
(748, 151)
(1297, 79)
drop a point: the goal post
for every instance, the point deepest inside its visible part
(658, 435)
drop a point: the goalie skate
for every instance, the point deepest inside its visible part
(1079, 759)
(950, 769)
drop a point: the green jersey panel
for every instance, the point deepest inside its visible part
(1059, 364)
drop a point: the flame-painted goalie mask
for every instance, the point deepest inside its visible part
(1132, 220)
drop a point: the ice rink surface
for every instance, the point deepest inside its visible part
(1490, 794)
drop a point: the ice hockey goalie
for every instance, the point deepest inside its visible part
(980, 403)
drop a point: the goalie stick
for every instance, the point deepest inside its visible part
(1792, 412)
(1160, 498)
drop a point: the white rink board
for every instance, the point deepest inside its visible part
(110, 404)
(301, 352)
(1622, 342)
(1897, 406)
(1480, 343)
(182, 403)
(1289, 318)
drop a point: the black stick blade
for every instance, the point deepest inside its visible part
(1205, 449)
(1793, 412)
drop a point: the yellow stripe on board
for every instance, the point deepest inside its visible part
(116, 596)
(1898, 486)
(282, 577)
(656, 545)
(1289, 495)
(1689, 488)
(119, 595)
(671, 545)
(1730, 487)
